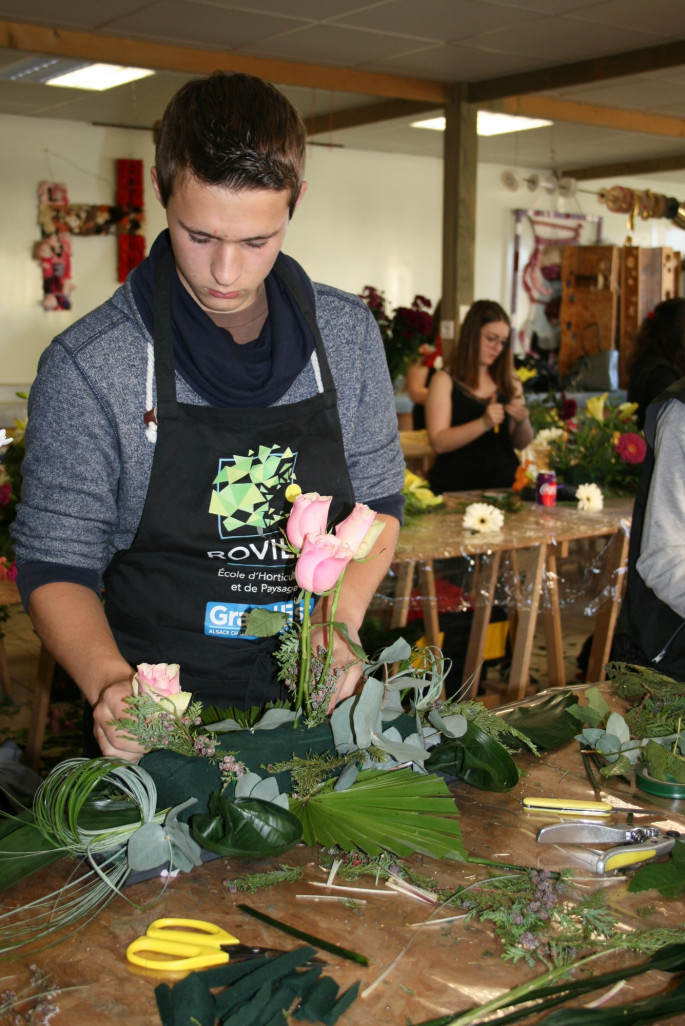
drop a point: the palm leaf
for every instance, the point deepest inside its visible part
(398, 811)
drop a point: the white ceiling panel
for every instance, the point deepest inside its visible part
(441, 41)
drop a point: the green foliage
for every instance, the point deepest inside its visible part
(666, 877)
(253, 882)
(401, 812)
(156, 726)
(245, 827)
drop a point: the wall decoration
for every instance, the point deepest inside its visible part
(540, 237)
(59, 219)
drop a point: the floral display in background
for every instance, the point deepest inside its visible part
(598, 444)
(11, 456)
(405, 331)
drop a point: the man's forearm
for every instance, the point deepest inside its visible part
(71, 623)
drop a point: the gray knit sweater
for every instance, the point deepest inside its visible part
(88, 460)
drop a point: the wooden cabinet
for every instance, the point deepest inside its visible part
(606, 293)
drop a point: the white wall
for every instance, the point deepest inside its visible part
(367, 219)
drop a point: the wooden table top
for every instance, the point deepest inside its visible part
(440, 970)
(440, 534)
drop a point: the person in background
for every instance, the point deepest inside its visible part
(658, 358)
(419, 374)
(651, 624)
(218, 363)
(476, 414)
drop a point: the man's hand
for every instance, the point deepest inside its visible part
(111, 705)
(343, 658)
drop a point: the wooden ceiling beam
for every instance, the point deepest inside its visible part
(371, 114)
(589, 114)
(162, 57)
(653, 165)
(597, 69)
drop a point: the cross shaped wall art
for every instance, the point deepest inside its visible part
(59, 219)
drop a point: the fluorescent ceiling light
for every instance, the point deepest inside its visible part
(99, 77)
(489, 123)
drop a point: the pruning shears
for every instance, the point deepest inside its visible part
(629, 847)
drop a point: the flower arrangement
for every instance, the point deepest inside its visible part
(205, 783)
(11, 456)
(405, 331)
(599, 444)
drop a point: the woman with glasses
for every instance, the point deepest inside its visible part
(476, 415)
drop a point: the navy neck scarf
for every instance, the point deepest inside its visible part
(224, 373)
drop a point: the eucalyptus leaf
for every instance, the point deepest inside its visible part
(347, 777)
(367, 711)
(454, 725)
(185, 852)
(398, 652)
(341, 725)
(273, 718)
(147, 847)
(244, 784)
(401, 751)
(591, 736)
(617, 725)
(609, 745)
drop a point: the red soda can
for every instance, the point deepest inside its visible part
(546, 488)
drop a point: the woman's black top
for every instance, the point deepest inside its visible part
(488, 462)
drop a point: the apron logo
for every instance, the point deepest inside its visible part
(227, 619)
(249, 491)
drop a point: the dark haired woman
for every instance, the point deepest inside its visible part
(475, 412)
(659, 355)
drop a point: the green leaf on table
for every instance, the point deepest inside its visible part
(547, 721)
(398, 811)
(617, 725)
(662, 764)
(666, 877)
(245, 827)
(620, 768)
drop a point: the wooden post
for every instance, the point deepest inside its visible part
(459, 209)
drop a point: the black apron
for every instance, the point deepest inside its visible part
(209, 545)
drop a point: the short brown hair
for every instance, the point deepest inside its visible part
(231, 130)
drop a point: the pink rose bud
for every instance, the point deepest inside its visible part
(308, 516)
(157, 679)
(321, 562)
(162, 681)
(360, 530)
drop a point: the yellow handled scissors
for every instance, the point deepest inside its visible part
(173, 945)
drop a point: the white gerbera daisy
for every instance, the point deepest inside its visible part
(480, 518)
(590, 498)
(548, 435)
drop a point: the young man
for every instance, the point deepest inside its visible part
(165, 427)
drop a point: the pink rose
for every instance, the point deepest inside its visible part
(308, 516)
(631, 447)
(162, 681)
(5, 493)
(360, 530)
(321, 562)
